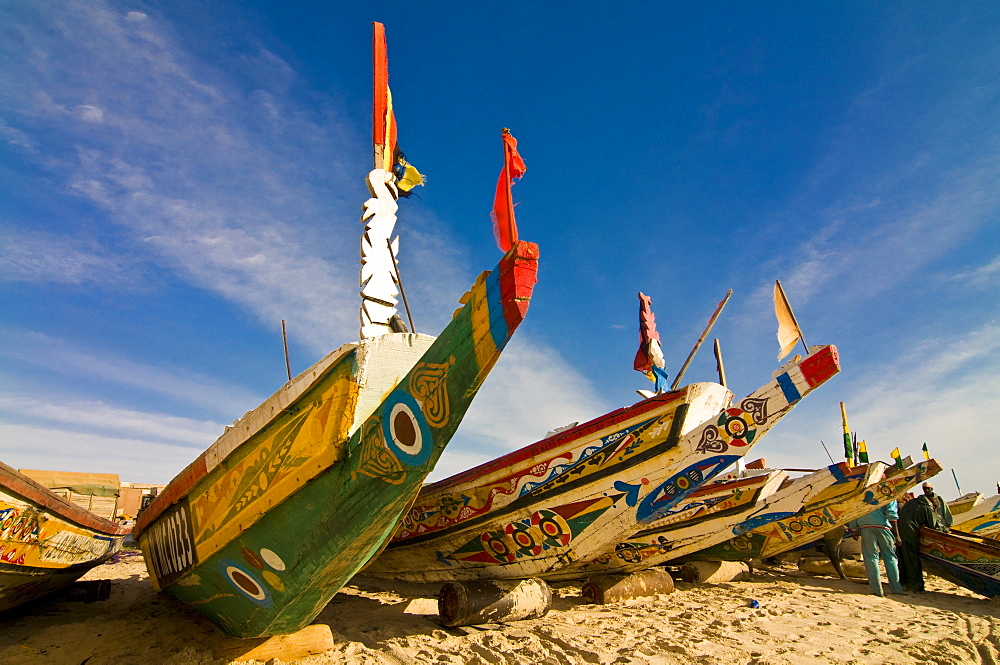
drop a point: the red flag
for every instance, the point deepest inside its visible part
(383, 118)
(504, 226)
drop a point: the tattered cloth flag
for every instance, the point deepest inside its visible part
(388, 156)
(927, 453)
(504, 225)
(862, 452)
(649, 358)
(788, 330)
(897, 458)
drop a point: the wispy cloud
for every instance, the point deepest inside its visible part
(45, 353)
(943, 393)
(99, 417)
(134, 460)
(981, 276)
(40, 257)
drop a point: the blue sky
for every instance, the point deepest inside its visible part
(176, 178)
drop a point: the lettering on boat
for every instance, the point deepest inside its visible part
(170, 547)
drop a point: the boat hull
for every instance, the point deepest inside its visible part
(809, 525)
(736, 507)
(968, 561)
(46, 542)
(260, 542)
(567, 499)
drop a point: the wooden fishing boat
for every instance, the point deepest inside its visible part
(46, 542)
(967, 560)
(573, 495)
(265, 526)
(965, 503)
(734, 508)
(811, 523)
(983, 519)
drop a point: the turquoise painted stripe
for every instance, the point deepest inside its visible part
(498, 324)
(792, 394)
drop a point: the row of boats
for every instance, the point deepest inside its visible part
(324, 480)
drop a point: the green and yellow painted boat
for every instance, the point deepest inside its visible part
(266, 525)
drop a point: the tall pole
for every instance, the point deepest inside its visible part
(827, 452)
(959, 487)
(284, 340)
(399, 281)
(718, 364)
(708, 328)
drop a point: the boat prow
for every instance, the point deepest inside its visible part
(46, 542)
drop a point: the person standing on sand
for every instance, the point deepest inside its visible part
(928, 510)
(879, 536)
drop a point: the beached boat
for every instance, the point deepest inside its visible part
(982, 519)
(813, 521)
(966, 559)
(46, 542)
(965, 503)
(712, 515)
(571, 496)
(264, 527)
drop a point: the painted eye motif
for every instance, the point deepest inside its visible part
(245, 583)
(405, 432)
(405, 429)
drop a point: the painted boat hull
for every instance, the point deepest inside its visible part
(570, 497)
(46, 542)
(262, 530)
(736, 510)
(809, 525)
(981, 520)
(963, 558)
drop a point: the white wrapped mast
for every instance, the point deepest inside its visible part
(379, 276)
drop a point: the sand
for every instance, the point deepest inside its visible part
(801, 619)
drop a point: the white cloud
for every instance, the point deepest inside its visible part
(944, 393)
(134, 460)
(116, 421)
(39, 257)
(47, 353)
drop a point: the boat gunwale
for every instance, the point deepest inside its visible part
(34, 492)
(516, 457)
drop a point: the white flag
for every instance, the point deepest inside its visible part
(788, 331)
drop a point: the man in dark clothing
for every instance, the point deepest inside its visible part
(928, 510)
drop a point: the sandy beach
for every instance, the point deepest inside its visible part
(801, 619)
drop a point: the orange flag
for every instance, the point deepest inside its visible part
(504, 226)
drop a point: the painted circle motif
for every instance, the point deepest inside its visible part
(737, 427)
(628, 552)
(815, 521)
(405, 428)
(796, 526)
(495, 545)
(523, 539)
(246, 583)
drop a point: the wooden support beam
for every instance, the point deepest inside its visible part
(312, 640)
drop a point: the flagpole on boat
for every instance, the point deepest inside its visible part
(284, 340)
(399, 283)
(708, 328)
(827, 452)
(718, 364)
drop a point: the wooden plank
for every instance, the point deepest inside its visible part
(314, 640)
